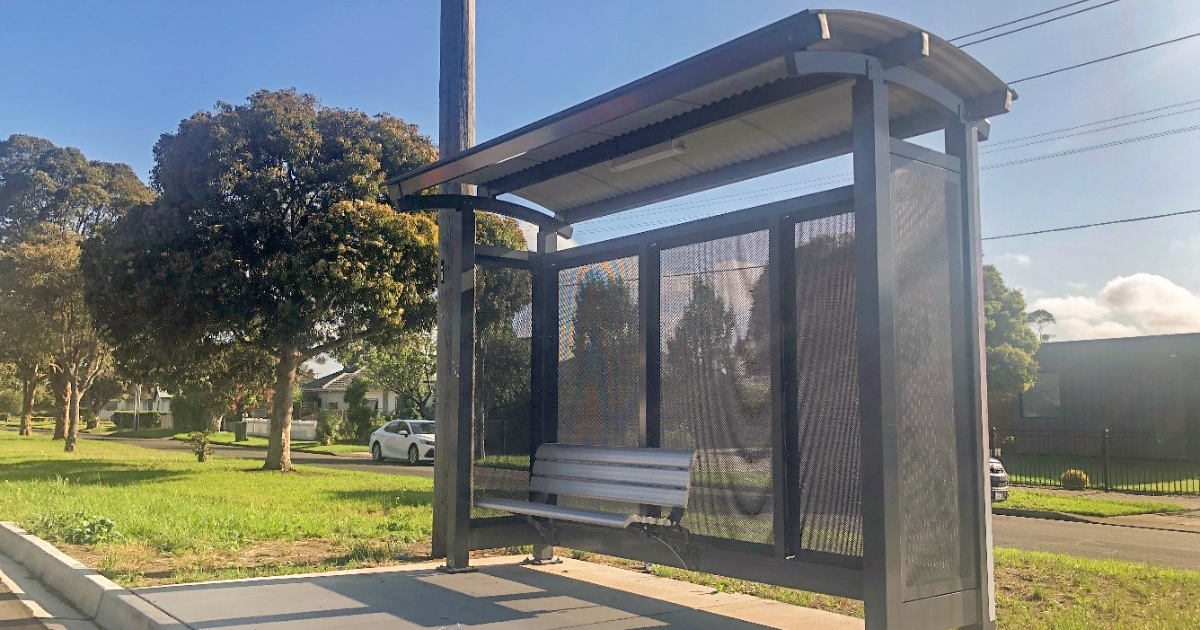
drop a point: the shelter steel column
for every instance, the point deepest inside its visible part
(543, 404)
(962, 141)
(875, 282)
(455, 378)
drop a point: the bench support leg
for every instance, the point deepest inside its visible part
(543, 554)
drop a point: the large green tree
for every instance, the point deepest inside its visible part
(1011, 343)
(41, 278)
(272, 228)
(42, 184)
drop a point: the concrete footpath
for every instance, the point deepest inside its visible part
(501, 595)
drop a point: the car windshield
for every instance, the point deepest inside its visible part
(422, 428)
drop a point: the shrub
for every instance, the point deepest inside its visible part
(146, 419)
(201, 445)
(330, 426)
(1075, 479)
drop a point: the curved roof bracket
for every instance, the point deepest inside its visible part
(487, 204)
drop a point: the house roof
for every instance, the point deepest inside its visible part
(336, 382)
(773, 99)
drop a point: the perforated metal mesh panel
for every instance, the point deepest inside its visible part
(502, 384)
(925, 410)
(716, 381)
(827, 387)
(598, 360)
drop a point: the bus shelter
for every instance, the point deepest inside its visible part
(818, 359)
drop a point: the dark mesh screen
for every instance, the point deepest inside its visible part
(716, 381)
(502, 382)
(827, 387)
(925, 414)
(598, 360)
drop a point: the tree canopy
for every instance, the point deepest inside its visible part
(272, 228)
(1011, 343)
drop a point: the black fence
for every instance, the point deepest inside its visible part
(1122, 461)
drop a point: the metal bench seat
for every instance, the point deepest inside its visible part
(646, 476)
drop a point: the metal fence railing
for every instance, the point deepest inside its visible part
(1154, 463)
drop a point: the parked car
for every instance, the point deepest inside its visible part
(410, 440)
(999, 478)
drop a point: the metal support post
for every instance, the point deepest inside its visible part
(455, 379)
(875, 287)
(543, 355)
(962, 141)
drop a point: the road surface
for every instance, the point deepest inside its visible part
(1164, 548)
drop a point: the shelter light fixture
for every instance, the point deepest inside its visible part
(651, 154)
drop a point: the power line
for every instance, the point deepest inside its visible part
(1095, 61)
(1093, 147)
(1027, 17)
(1097, 122)
(1091, 225)
(1082, 133)
(1036, 24)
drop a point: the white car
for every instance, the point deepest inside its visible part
(410, 440)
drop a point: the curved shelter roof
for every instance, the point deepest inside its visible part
(773, 99)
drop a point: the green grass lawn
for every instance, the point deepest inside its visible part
(175, 520)
(1037, 591)
(226, 438)
(1084, 506)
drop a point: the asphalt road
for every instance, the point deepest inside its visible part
(343, 462)
(1164, 548)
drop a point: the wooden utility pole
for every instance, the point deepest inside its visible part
(456, 133)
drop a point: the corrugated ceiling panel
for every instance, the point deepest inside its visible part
(640, 177)
(568, 191)
(728, 143)
(655, 113)
(799, 121)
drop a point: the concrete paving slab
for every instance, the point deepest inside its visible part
(501, 595)
(26, 604)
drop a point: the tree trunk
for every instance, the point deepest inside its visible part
(29, 384)
(76, 397)
(279, 447)
(62, 391)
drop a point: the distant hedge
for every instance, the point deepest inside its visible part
(146, 419)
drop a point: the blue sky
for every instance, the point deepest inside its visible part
(109, 77)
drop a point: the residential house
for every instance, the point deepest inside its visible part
(329, 392)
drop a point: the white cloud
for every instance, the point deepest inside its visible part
(1078, 286)
(1021, 260)
(1139, 304)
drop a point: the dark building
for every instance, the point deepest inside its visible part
(1134, 385)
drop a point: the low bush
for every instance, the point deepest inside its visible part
(146, 419)
(330, 426)
(201, 444)
(1075, 479)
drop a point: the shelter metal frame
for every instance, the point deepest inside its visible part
(889, 276)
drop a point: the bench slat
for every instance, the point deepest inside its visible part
(632, 456)
(609, 473)
(651, 495)
(543, 510)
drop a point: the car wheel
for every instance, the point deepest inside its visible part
(376, 452)
(414, 457)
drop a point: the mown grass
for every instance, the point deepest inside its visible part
(1084, 506)
(509, 462)
(1036, 591)
(177, 520)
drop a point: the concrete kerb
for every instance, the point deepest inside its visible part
(97, 597)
